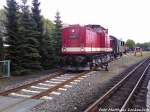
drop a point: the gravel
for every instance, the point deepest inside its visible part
(75, 99)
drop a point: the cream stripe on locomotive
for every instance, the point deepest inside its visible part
(88, 49)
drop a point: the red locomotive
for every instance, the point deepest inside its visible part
(85, 47)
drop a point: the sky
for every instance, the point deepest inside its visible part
(125, 19)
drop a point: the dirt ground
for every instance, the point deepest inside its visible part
(117, 66)
(15, 80)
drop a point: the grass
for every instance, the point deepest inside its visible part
(144, 54)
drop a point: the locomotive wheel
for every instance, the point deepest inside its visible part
(107, 67)
(91, 66)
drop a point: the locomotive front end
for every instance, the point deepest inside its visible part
(73, 47)
(73, 40)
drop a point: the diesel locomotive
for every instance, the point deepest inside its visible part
(87, 47)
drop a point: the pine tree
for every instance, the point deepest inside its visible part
(37, 16)
(1, 48)
(28, 45)
(12, 32)
(49, 48)
(43, 38)
(57, 37)
(47, 51)
(2, 31)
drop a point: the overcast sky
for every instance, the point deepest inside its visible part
(124, 18)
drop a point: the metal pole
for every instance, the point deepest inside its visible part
(8, 68)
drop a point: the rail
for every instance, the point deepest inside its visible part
(100, 101)
(6, 92)
(133, 91)
(41, 94)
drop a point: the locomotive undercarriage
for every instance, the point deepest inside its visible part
(87, 62)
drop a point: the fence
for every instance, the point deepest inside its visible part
(5, 68)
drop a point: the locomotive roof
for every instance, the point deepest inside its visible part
(94, 27)
(113, 37)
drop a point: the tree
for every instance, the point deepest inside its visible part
(48, 48)
(144, 46)
(130, 43)
(43, 37)
(48, 55)
(37, 16)
(2, 32)
(57, 37)
(48, 26)
(28, 45)
(2, 22)
(1, 48)
(12, 32)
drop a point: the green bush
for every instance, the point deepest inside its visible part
(21, 72)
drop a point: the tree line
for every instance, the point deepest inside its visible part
(32, 46)
(131, 44)
(144, 46)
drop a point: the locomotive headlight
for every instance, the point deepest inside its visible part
(81, 47)
(72, 31)
(64, 49)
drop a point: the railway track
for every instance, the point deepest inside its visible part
(53, 75)
(44, 88)
(119, 97)
(39, 89)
